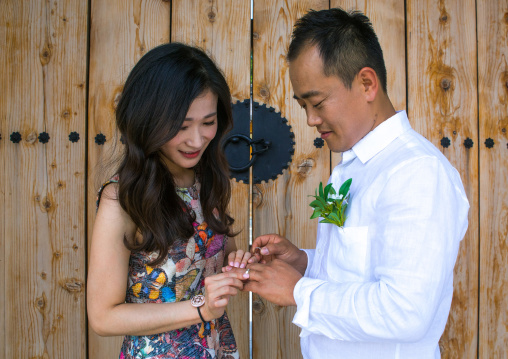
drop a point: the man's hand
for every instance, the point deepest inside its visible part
(272, 246)
(274, 281)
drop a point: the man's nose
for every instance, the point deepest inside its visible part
(313, 119)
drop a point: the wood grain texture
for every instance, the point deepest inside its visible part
(442, 102)
(493, 118)
(222, 29)
(121, 32)
(387, 17)
(43, 243)
(282, 206)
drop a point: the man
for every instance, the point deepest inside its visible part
(381, 286)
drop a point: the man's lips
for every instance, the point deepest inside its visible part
(190, 154)
(325, 134)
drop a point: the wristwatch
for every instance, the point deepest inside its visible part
(197, 301)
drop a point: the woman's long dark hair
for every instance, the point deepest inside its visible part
(154, 102)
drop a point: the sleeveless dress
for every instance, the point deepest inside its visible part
(179, 278)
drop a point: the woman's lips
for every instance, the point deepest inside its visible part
(190, 154)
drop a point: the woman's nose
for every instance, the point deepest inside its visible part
(195, 139)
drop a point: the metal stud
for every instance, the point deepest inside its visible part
(319, 142)
(15, 137)
(489, 143)
(74, 137)
(100, 139)
(445, 142)
(44, 137)
(468, 143)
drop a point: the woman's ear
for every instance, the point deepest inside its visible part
(369, 82)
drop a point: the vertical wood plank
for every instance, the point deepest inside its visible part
(222, 29)
(493, 115)
(121, 32)
(281, 206)
(442, 102)
(43, 61)
(387, 17)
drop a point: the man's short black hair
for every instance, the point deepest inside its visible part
(346, 42)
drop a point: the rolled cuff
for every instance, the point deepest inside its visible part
(302, 294)
(310, 257)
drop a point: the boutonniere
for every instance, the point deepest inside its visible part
(330, 205)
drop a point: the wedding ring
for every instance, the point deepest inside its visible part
(247, 271)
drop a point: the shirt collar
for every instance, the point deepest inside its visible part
(377, 139)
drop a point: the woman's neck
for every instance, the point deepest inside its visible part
(184, 178)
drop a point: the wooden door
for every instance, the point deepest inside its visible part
(446, 63)
(442, 106)
(281, 206)
(493, 174)
(121, 32)
(222, 29)
(42, 241)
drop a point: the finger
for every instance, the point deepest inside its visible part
(254, 258)
(238, 258)
(245, 259)
(222, 292)
(231, 258)
(253, 271)
(223, 279)
(220, 303)
(262, 241)
(251, 286)
(226, 269)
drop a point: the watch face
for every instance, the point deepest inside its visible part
(197, 300)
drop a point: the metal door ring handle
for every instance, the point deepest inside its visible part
(265, 145)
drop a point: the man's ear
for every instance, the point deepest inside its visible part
(369, 83)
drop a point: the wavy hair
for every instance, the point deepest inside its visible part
(154, 102)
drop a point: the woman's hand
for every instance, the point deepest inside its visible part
(218, 289)
(239, 259)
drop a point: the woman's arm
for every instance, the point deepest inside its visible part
(107, 283)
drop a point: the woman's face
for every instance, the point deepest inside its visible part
(184, 151)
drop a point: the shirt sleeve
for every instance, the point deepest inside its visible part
(310, 257)
(422, 219)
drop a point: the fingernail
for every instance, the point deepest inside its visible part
(246, 275)
(228, 268)
(264, 250)
(231, 263)
(237, 264)
(242, 265)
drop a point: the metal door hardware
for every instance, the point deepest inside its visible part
(272, 143)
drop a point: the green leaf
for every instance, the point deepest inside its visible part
(334, 216)
(321, 193)
(317, 203)
(325, 221)
(316, 214)
(344, 189)
(327, 190)
(323, 202)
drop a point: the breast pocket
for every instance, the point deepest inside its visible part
(348, 254)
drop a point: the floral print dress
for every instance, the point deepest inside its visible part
(179, 278)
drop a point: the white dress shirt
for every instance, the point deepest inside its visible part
(381, 287)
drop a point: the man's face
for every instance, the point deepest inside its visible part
(338, 113)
